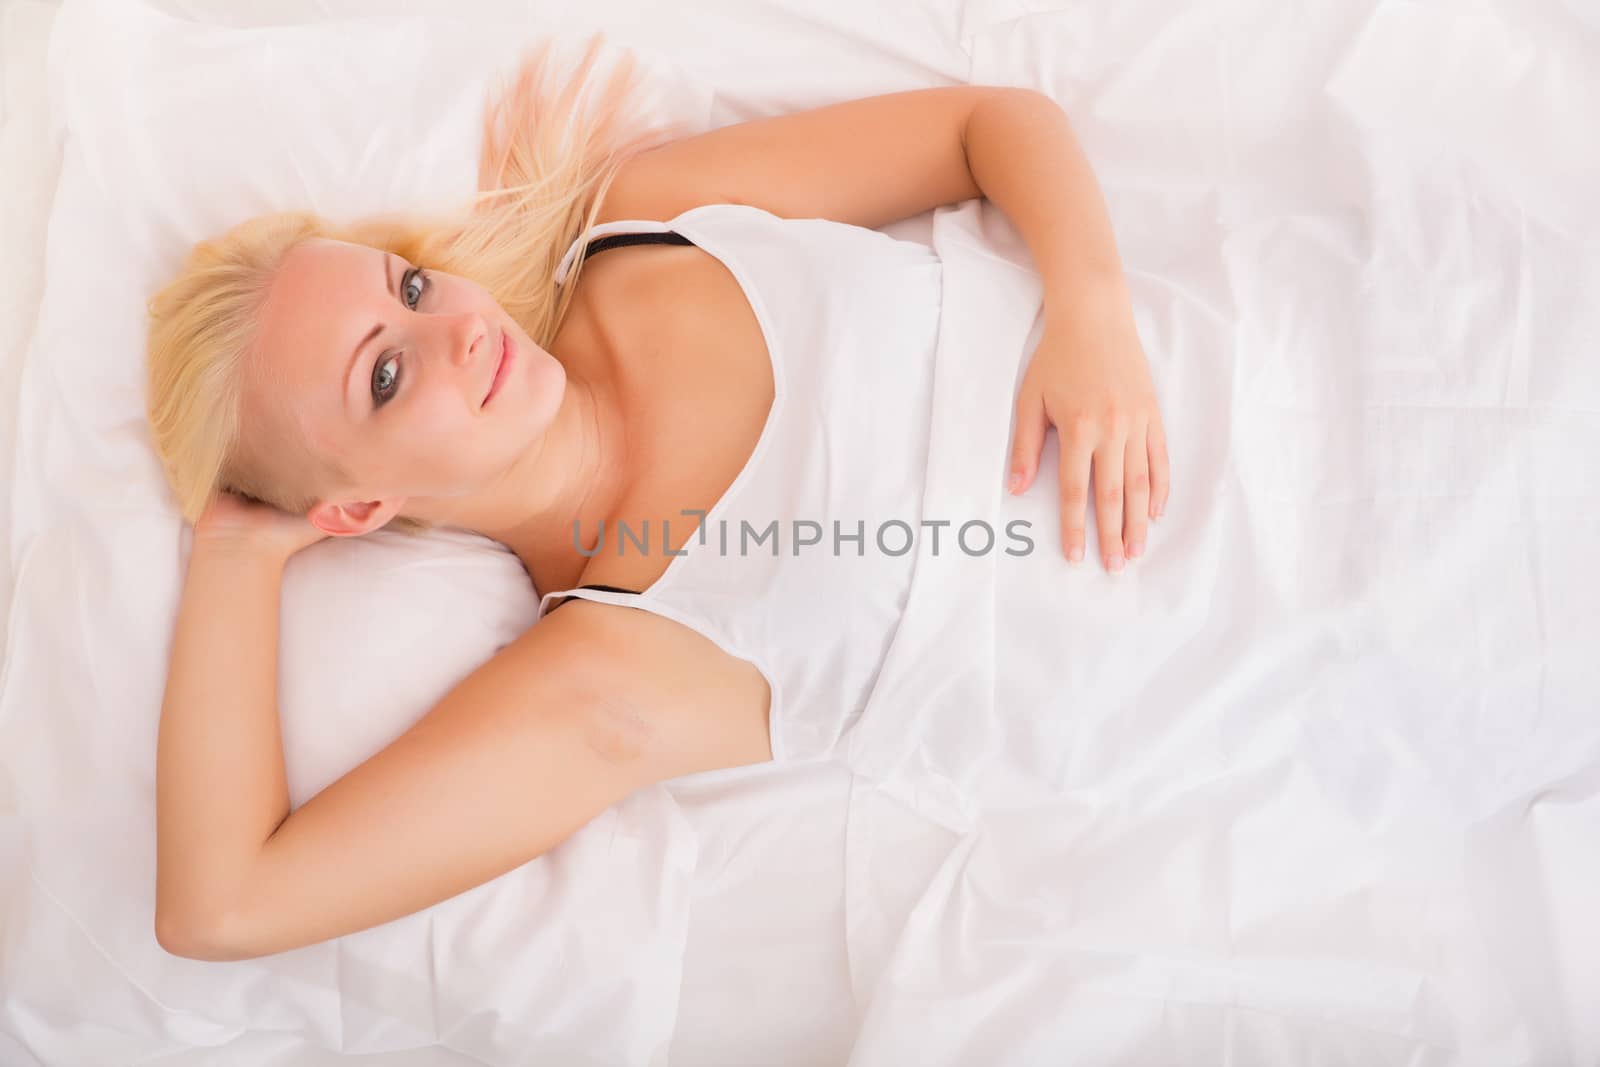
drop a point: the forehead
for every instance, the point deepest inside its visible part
(324, 298)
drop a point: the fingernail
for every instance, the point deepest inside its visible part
(1134, 550)
(1016, 480)
(1115, 563)
(1075, 554)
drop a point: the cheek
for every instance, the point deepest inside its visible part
(437, 407)
(430, 435)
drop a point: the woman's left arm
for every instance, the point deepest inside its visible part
(1089, 376)
(881, 158)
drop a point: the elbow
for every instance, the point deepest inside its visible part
(196, 937)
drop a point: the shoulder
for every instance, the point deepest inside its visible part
(659, 287)
(652, 186)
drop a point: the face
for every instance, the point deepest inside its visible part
(387, 367)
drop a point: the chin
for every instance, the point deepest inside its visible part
(545, 384)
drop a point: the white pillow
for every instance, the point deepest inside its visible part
(173, 132)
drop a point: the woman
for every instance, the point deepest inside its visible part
(484, 373)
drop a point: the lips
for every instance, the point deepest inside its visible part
(500, 367)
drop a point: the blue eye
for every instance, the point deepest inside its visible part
(420, 278)
(384, 392)
(414, 281)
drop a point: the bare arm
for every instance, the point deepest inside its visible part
(881, 158)
(221, 789)
(519, 756)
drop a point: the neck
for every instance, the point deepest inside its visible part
(574, 477)
(574, 474)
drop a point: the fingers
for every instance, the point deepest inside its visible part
(1159, 470)
(1108, 473)
(1028, 444)
(1129, 471)
(1077, 450)
(1137, 489)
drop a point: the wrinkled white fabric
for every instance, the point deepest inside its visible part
(797, 568)
(1314, 782)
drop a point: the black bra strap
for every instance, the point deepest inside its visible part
(622, 240)
(602, 588)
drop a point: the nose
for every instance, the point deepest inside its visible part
(467, 338)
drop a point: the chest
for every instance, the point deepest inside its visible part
(693, 366)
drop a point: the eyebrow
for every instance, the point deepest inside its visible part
(355, 357)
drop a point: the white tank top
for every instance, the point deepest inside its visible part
(808, 563)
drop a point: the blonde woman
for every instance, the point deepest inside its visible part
(626, 328)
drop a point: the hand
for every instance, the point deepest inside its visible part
(1089, 377)
(234, 519)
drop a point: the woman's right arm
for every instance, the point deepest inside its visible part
(221, 789)
(524, 752)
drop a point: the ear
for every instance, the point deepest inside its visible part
(353, 518)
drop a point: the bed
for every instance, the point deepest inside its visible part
(1334, 750)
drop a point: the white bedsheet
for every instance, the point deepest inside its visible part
(1330, 752)
(30, 160)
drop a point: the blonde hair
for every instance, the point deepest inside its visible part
(547, 160)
